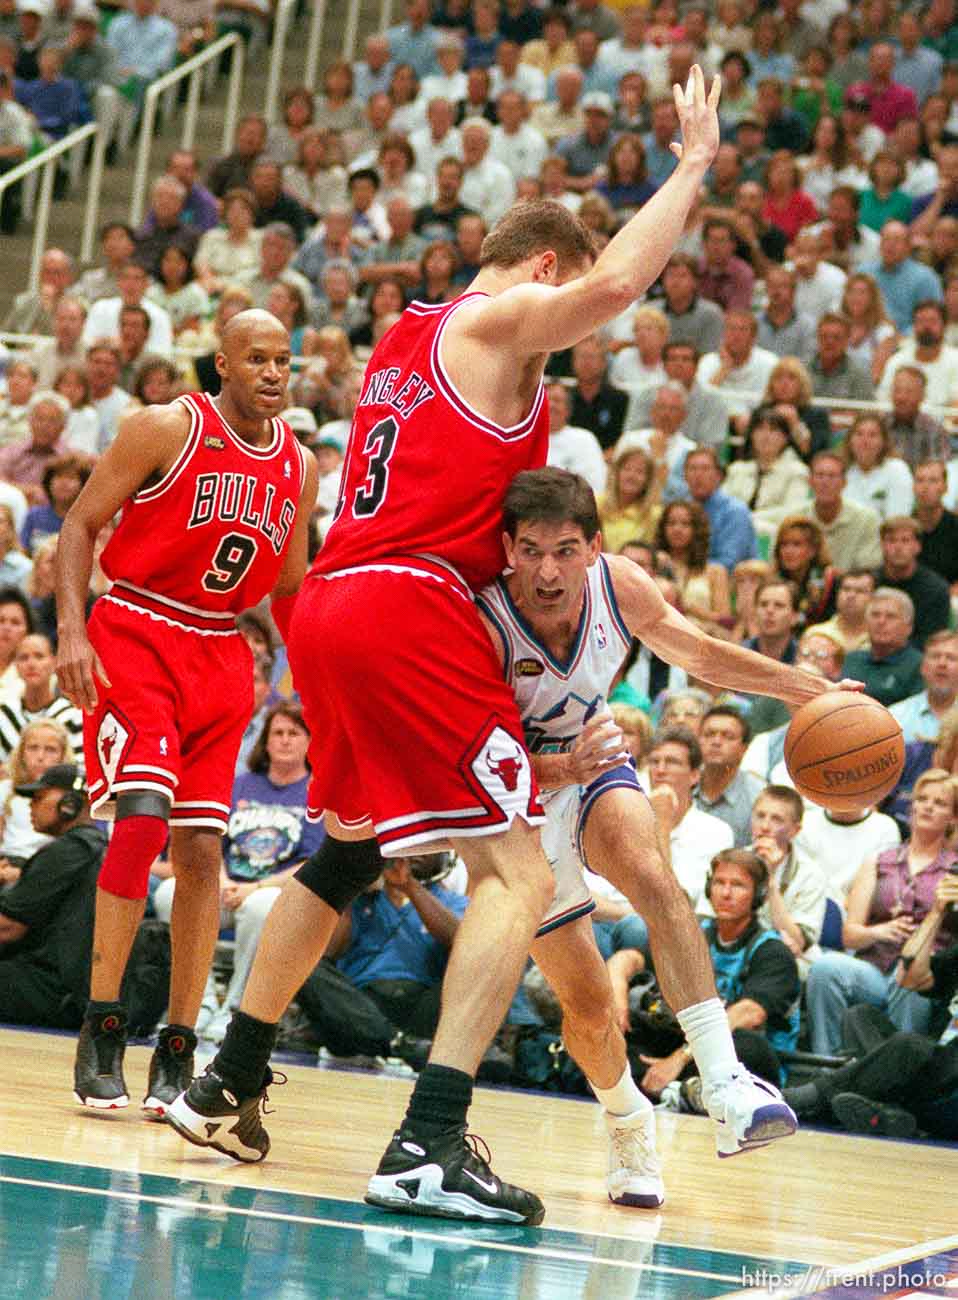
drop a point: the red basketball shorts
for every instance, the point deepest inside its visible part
(412, 725)
(173, 717)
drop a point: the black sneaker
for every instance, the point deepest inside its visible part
(446, 1177)
(862, 1115)
(171, 1069)
(98, 1068)
(209, 1115)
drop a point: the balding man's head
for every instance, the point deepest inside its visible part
(254, 364)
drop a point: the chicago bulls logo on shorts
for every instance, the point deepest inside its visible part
(502, 768)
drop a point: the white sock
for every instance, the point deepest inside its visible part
(623, 1098)
(709, 1037)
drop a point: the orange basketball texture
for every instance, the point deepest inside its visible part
(844, 751)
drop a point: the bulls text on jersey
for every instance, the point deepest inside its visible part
(242, 498)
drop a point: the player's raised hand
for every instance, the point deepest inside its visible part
(698, 118)
(78, 667)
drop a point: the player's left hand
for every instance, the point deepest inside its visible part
(598, 748)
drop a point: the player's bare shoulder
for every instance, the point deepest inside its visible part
(155, 435)
(637, 595)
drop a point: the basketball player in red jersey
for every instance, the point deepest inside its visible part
(216, 495)
(417, 740)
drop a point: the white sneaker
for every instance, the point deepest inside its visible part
(635, 1171)
(748, 1112)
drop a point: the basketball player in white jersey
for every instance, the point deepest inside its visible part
(562, 618)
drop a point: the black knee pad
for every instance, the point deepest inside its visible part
(340, 870)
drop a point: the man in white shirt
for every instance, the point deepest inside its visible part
(663, 440)
(515, 143)
(572, 448)
(438, 139)
(103, 318)
(450, 83)
(510, 74)
(487, 184)
(739, 370)
(820, 284)
(927, 350)
(838, 843)
(632, 51)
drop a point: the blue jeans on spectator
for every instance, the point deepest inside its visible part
(837, 981)
(628, 932)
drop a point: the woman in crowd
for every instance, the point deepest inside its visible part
(226, 251)
(15, 564)
(872, 338)
(767, 55)
(888, 899)
(63, 480)
(82, 433)
(849, 64)
(336, 109)
(629, 510)
(42, 745)
(317, 177)
(266, 840)
(875, 476)
(786, 205)
(323, 384)
(282, 142)
(641, 364)
(814, 92)
(801, 555)
(885, 200)
(830, 163)
(738, 97)
(920, 755)
(388, 299)
(437, 266)
(789, 391)
(626, 185)
(156, 383)
(14, 403)
(774, 478)
(41, 699)
(682, 536)
(747, 577)
(338, 304)
(685, 708)
(398, 177)
(921, 173)
(179, 292)
(285, 300)
(408, 110)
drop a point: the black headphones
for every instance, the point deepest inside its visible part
(759, 886)
(72, 800)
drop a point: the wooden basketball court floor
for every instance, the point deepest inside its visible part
(111, 1207)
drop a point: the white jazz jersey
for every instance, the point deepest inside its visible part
(555, 699)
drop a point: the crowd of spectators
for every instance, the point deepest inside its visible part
(768, 432)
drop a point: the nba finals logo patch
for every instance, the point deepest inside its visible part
(111, 741)
(529, 668)
(214, 442)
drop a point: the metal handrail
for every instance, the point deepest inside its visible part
(314, 44)
(192, 68)
(351, 28)
(285, 11)
(46, 162)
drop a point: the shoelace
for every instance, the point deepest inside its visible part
(479, 1148)
(278, 1079)
(631, 1143)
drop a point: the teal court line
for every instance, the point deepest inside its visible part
(644, 1268)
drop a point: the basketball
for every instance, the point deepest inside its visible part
(844, 751)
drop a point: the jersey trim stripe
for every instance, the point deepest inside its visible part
(483, 605)
(222, 616)
(430, 815)
(397, 568)
(163, 610)
(132, 768)
(563, 918)
(608, 588)
(183, 459)
(395, 844)
(565, 671)
(202, 803)
(511, 433)
(205, 404)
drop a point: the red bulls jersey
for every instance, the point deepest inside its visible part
(209, 537)
(424, 471)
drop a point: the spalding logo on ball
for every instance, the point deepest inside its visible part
(844, 751)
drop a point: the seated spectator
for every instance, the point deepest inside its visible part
(706, 416)
(64, 349)
(724, 278)
(921, 171)
(938, 527)
(904, 282)
(278, 264)
(41, 699)
(299, 116)
(264, 697)
(178, 291)
(834, 374)
(21, 384)
(315, 176)
(399, 177)
(57, 102)
(887, 901)
(891, 666)
(630, 508)
(691, 318)
(132, 336)
(155, 383)
(885, 200)
(747, 577)
(371, 74)
(200, 209)
(739, 370)
(872, 338)
(232, 171)
(116, 247)
(732, 532)
(145, 46)
(787, 206)
(926, 350)
(838, 841)
(15, 564)
(439, 138)
(916, 434)
(789, 393)
(388, 299)
(900, 568)
(664, 439)
(682, 536)
(587, 153)
(818, 652)
(576, 450)
(483, 40)
(776, 617)
(338, 304)
(724, 789)
(626, 184)
(819, 284)
(916, 65)
(324, 384)
(801, 555)
(920, 716)
(487, 184)
(107, 398)
(849, 63)
(851, 530)
(561, 117)
(752, 153)
(266, 840)
(596, 405)
(640, 365)
(377, 990)
(62, 482)
(942, 199)
(780, 328)
(773, 478)
(46, 918)
(437, 272)
(830, 163)
(854, 590)
(890, 101)
(438, 219)
(553, 50)
(403, 110)
(273, 206)
(876, 477)
(785, 130)
(450, 81)
(164, 226)
(686, 708)
(942, 247)
(103, 318)
(32, 312)
(25, 462)
(396, 257)
(39, 747)
(756, 978)
(767, 56)
(16, 140)
(795, 905)
(842, 237)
